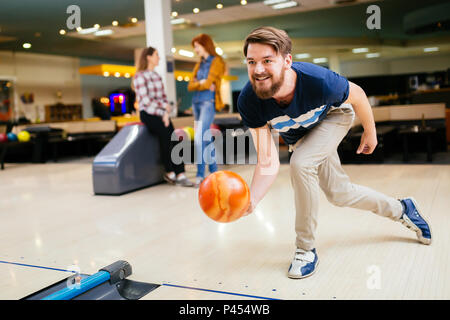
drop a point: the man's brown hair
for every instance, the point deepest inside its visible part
(277, 38)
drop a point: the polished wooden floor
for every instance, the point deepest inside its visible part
(51, 220)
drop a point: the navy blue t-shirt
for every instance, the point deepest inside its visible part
(317, 90)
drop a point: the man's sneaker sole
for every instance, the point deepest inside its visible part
(410, 225)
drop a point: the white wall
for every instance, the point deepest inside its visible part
(43, 75)
(379, 66)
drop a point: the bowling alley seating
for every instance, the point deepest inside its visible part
(3, 129)
(447, 124)
(10, 146)
(404, 128)
(180, 122)
(223, 121)
(52, 137)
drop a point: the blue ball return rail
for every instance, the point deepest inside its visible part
(85, 285)
(108, 283)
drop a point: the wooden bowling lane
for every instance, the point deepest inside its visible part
(50, 217)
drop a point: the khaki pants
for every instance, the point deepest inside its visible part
(315, 163)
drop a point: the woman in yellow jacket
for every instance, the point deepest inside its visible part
(205, 83)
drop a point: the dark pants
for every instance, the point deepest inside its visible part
(155, 125)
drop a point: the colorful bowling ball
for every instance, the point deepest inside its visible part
(12, 136)
(23, 136)
(181, 134)
(190, 132)
(224, 196)
(3, 137)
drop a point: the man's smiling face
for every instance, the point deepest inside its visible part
(266, 69)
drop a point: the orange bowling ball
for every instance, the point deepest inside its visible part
(224, 196)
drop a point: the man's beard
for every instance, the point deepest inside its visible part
(272, 90)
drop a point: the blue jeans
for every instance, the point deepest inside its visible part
(205, 152)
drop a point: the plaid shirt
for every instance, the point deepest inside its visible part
(150, 93)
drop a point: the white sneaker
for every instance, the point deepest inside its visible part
(304, 264)
(169, 178)
(198, 181)
(184, 182)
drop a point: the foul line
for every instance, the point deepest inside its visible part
(34, 266)
(217, 291)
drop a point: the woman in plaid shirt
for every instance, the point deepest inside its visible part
(154, 113)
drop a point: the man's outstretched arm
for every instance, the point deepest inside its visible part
(267, 167)
(358, 99)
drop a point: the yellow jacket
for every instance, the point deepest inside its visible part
(216, 71)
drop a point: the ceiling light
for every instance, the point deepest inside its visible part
(372, 55)
(186, 79)
(360, 50)
(115, 23)
(134, 20)
(243, 2)
(174, 50)
(180, 78)
(196, 10)
(271, 2)
(97, 26)
(127, 75)
(185, 53)
(174, 14)
(26, 45)
(177, 21)
(62, 32)
(284, 5)
(117, 74)
(79, 29)
(87, 31)
(431, 49)
(106, 74)
(302, 56)
(320, 60)
(105, 32)
(219, 6)
(219, 51)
